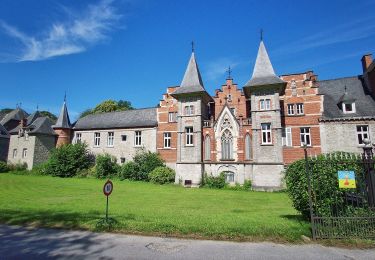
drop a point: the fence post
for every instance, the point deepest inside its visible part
(368, 158)
(309, 191)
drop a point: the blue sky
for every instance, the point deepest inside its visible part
(133, 50)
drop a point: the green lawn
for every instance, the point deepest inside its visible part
(150, 209)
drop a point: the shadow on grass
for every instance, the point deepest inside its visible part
(48, 218)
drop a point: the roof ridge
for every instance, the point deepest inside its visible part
(348, 77)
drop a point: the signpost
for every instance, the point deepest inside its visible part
(107, 190)
(346, 179)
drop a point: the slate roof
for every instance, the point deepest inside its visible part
(41, 125)
(63, 120)
(3, 131)
(31, 118)
(16, 114)
(263, 73)
(333, 91)
(192, 81)
(146, 117)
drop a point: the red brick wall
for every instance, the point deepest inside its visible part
(64, 136)
(307, 93)
(167, 104)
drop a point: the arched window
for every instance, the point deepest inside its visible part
(207, 148)
(227, 145)
(247, 147)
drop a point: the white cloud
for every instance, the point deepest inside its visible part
(73, 35)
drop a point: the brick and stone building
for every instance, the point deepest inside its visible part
(250, 133)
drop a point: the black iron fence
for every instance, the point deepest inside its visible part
(342, 195)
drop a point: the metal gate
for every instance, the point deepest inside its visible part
(341, 189)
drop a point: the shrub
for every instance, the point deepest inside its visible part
(105, 166)
(129, 171)
(146, 163)
(325, 167)
(247, 185)
(67, 160)
(3, 167)
(17, 167)
(215, 182)
(162, 175)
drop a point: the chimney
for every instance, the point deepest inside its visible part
(366, 61)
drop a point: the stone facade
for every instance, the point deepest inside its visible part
(123, 150)
(4, 147)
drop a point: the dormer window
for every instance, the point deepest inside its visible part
(348, 107)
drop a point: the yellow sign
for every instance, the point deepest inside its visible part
(346, 179)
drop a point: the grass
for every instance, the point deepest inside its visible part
(145, 208)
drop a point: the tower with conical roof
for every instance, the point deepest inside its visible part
(63, 127)
(264, 90)
(193, 102)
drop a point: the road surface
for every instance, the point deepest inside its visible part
(25, 243)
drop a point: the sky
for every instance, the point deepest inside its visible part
(134, 49)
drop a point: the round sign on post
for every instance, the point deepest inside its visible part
(108, 188)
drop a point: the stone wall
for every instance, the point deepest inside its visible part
(120, 149)
(19, 144)
(342, 135)
(43, 147)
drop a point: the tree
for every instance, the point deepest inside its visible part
(108, 106)
(49, 115)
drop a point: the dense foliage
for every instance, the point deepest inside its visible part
(162, 175)
(129, 171)
(324, 180)
(68, 160)
(146, 163)
(3, 167)
(49, 115)
(106, 166)
(108, 106)
(217, 182)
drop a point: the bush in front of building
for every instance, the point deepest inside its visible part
(162, 175)
(216, 182)
(326, 189)
(3, 167)
(68, 160)
(106, 166)
(129, 171)
(146, 163)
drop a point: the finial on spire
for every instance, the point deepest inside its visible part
(346, 90)
(229, 71)
(37, 107)
(192, 46)
(261, 34)
(65, 96)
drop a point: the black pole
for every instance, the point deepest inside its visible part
(106, 212)
(309, 191)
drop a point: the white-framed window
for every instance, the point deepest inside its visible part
(229, 177)
(362, 133)
(78, 137)
(110, 139)
(305, 136)
(123, 138)
(290, 109)
(287, 136)
(293, 86)
(138, 138)
(266, 133)
(189, 135)
(189, 110)
(96, 139)
(247, 147)
(24, 153)
(207, 148)
(167, 140)
(300, 110)
(172, 117)
(229, 97)
(14, 153)
(348, 108)
(265, 104)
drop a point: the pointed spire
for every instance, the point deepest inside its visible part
(263, 73)
(63, 120)
(192, 81)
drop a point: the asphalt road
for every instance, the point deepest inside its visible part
(24, 243)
